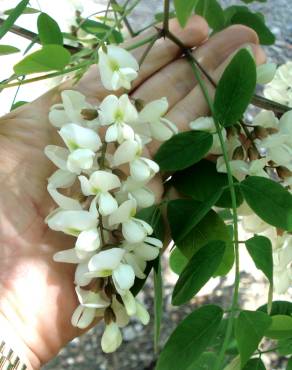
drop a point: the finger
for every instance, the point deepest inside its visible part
(162, 53)
(174, 78)
(194, 104)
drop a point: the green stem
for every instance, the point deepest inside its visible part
(149, 47)
(45, 77)
(234, 304)
(140, 43)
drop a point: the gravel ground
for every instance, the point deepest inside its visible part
(137, 351)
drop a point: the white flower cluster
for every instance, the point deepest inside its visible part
(271, 157)
(103, 159)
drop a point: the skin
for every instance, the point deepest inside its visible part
(37, 296)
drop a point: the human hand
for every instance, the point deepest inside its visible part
(37, 295)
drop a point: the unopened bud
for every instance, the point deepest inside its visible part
(272, 130)
(139, 104)
(89, 114)
(109, 316)
(232, 131)
(238, 153)
(109, 290)
(260, 132)
(283, 172)
(253, 154)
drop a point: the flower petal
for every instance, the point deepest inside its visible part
(106, 261)
(57, 155)
(80, 279)
(111, 338)
(62, 179)
(123, 213)
(83, 317)
(126, 152)
(107, 204)
(78, 137)
(123, 277)
(88, 240)
(104, 181)
(63, 201)
(80, 159)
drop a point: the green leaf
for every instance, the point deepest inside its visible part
(158, 304)
(49, 58)
(210, 228)
(254, 364)
(183, 150)
(27, 10)
(8, 49)
(250, 1)
(250, 328)
(15, 13)
(269, 200)
(18, 104)
(177, 261)
(184, 214)
(289, 364)
(278, 308)
(212, 11)
(201, 181)
(285, 346)
(49, 30)
(206, 361)
(184, 9)
(255, 22)
(235, 89)
(190, 338)
(260, 250)
(198, 271)
(102, 31)
(281, 327)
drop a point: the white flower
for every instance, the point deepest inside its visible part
(141, 169)
(75, 162)
(119, 114)
(278, 146)
(152, 114)
(118, 68)
(282, 256)
(73, 103)
(133, 229)
(266, 119)
(122, 318)
(99, 184)
(72, 222)
(266, 72)
(207, 124)
(139, 253)
(240, 169)
(88, 298)
(279, 89)
(137, 190)
(111, 338)
(77, 137)
(83, 317)
(71, 256)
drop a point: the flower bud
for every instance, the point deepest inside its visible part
(260, 132)
(253, 154)
(139, 104)
(109, 316)
(283, 172)
(89, 114)
(238, 153)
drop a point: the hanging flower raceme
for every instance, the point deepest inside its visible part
(103, 150)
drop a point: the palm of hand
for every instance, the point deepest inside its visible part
(37, 294)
